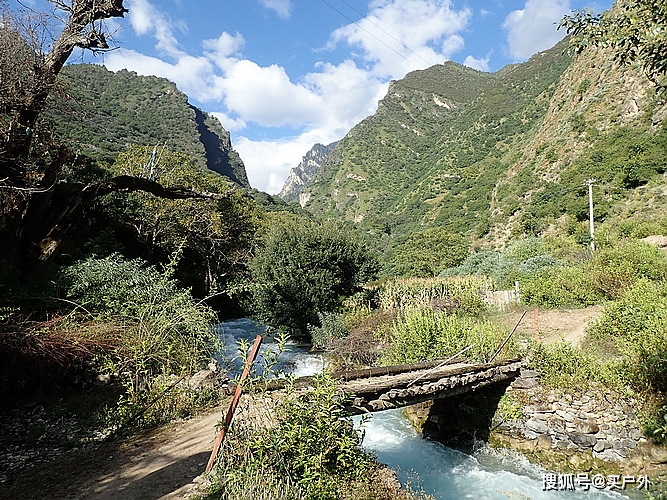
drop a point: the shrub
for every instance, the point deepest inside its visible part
(421, 334)
(563, 365)
(333, 327)
(305, 268)
(636, 326)
(613, 270)
(521, 257)
(310, 451)
(163, 329)
(558, 286)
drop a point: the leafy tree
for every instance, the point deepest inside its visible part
(212, 236)
(303, 268)
(37, 206)
(634, 28)
(428, 252)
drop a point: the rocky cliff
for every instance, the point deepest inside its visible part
(100, 113)
(301, 175)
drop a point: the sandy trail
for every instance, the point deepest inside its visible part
(160, 466)
(554, 325)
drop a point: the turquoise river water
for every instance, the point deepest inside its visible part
(444, 473)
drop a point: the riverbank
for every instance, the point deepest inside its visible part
(596, 432)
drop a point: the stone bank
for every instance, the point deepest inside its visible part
(563, 432)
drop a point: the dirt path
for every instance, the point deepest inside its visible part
(555, 325)
(155, 465)
(159, 466)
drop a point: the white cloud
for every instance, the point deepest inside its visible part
(479, 64)
(230, 124)
(145, 19)
(282, 7)
(398, 36)
(533, 28)
(319, 107)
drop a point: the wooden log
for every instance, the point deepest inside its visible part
(433, 391)
(387, 382)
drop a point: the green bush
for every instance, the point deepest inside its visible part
(558, 286)
(311, 450)
(613, 270)
(428, 252)
(133, 410)
(563, 365)
(421, 334)
(525, 256)
(333, 327)
(636, 325)
(304, 268)
(163, 329)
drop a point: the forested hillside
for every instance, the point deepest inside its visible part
(497, 156)
(100, 113)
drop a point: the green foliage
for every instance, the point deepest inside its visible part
(332, 327)
(635, 29)
(613, 270)
(521, 257)
(463, 294)
(99, 113)
(304, 268)
(427, 252)
(422, 334)
(509, 409)
(312, 451)
(134, 411)
(435, 150)
(212, 238)
(624, 350)
(636, 327)
(608, 274)
(559, 286)
(563, 365)
(163, 329)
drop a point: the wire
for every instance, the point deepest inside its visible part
(386, 33)
(371, 34)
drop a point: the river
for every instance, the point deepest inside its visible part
(444, 473)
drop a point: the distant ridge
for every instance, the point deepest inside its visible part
(301, 175)
(100, 113)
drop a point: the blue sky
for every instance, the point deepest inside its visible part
(282, 75)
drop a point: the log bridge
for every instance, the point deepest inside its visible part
(377, 389)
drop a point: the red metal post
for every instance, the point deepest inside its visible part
(235, 401)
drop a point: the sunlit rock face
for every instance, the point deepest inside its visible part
(302, 174)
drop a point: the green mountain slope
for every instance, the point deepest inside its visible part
(433, 151)
(494, 156)
(100, 113)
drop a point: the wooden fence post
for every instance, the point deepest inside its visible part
(235, 401)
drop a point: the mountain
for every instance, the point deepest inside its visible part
(301, 175)
(100, 113)
(494, 156)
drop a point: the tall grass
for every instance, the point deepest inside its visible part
(422, 334)
(464, 294)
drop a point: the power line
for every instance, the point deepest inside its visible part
(371, 34)
(386, 33)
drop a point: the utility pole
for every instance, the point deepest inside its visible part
(590, 212)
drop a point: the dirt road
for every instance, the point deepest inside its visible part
(156, 465)
(554, 325)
